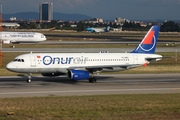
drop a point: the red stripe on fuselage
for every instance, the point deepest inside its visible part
(149, 38)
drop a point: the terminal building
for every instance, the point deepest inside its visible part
(46, 11)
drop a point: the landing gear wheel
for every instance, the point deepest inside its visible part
(93, 79)
(29, 78)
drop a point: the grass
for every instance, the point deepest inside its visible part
(82, 45)
(69, 46)
(151, 69)
(106, 107)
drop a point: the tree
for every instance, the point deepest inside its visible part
(33, 25)
(170, 26)
(81, 26)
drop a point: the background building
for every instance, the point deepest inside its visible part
(46, 11)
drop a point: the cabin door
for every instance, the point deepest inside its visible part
(33, 61)
(135, 59)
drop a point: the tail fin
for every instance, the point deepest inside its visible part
(107, 29)
(148, 44)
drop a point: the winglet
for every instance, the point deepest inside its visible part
(148, 44)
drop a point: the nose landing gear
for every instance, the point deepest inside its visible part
(29, 78)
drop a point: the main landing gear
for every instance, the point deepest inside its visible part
(92, 79)
(29, 78)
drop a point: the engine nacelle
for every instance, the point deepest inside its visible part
(78, 74)
(51, 74)
(6, 41)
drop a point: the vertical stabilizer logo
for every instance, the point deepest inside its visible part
(149, 42)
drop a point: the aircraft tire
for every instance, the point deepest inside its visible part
(93, 79)
(28, 81)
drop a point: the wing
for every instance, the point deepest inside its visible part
(93, 69)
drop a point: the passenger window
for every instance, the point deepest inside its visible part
(22, 60)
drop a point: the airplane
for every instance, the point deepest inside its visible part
(81, 66)
(98, 30)
(21, 37)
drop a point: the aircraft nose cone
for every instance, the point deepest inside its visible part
(9, 66)
(43, 39)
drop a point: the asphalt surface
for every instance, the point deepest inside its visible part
(16, 86)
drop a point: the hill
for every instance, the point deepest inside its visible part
(56, 16)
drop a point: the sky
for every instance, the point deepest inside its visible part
(105, 9)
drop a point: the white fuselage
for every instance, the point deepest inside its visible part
(62, 62)
(99, 30)
(21, 37)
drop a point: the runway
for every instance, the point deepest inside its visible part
(16, 86)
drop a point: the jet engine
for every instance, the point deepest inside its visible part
(6, 41)
(79, 74)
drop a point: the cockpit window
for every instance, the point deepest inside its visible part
(18, 60)
(42, 36)
(15, 60)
